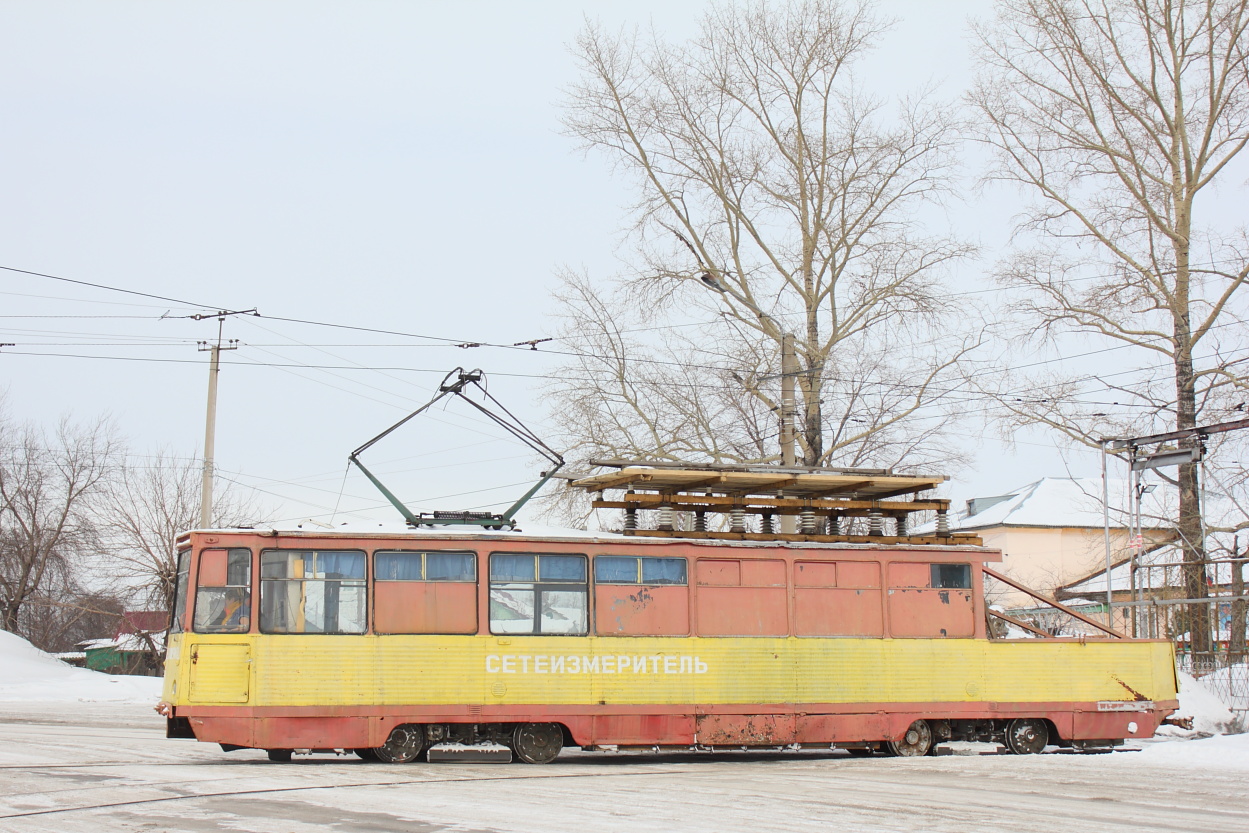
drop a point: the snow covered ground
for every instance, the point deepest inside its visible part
(29, 675)
(79, 752)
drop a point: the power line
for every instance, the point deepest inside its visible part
(109, 288)
(531, 346)
(518, 345)
(940, 394)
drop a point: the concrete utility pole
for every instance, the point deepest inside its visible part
(789, 457)
(789, 369)
(210, 421)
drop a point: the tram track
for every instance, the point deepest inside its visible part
(308, 787)
(868, 791)
(857, 793)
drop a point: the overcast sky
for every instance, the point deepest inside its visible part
(393, 166)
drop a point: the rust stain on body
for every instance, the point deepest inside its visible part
(1136, 695)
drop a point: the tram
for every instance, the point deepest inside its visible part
(846, 631)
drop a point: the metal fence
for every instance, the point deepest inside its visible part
(1226, 676)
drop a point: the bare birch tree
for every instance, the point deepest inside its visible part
(1120, 118)
(775, 200)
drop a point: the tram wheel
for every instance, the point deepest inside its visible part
(538, 743)
(280, 756)
(1027, 735)
(916, 743)
(405, 744)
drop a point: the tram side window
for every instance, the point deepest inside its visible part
(955, 576)
(424, 592)
(177, 623)
(641, 596)
(538, 594)
(305, 591)
(223, 591)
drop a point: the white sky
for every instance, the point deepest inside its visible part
(397, 166)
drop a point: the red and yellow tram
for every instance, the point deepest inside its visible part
(392, 642)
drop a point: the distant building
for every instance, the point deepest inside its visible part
(137, 648)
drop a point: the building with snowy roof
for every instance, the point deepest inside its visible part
(136, 648)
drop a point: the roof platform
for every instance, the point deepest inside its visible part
(828, 505)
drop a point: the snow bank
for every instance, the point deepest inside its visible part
(1210, 715)
(28, 674)
(1224, 752)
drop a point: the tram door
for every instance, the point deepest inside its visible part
(220, 673)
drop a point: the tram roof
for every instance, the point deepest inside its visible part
(395, 530)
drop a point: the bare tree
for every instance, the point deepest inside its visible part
(1120, 118)
(47, 530)
(776, 202)
(152, 501)
(58, 619)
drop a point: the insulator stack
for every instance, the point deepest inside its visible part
(631, 519)
(700, 521)
(807, 522)
(737, 519)
(667, 518)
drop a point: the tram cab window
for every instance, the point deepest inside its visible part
(641, 596)
(424, 592)
(182, 582)
(223, 594)
(538, 594)
(312, 591)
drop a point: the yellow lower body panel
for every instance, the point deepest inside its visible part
(262, 671)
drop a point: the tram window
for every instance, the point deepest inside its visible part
(616, 569)
(223, 595)
(952, 576)
(177, 623)
(425, 592)
(312, 591)
(447, 566)
(538, 594)
(425, 566)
